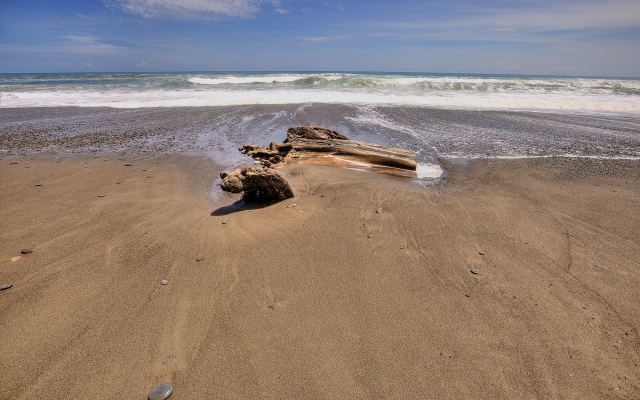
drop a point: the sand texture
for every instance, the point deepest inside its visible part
(362, 290)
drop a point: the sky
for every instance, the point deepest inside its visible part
(558, 37)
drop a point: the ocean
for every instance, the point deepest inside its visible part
(435, 115)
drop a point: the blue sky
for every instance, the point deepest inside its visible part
(561, 37)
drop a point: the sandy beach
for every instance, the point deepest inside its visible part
(359, 287)
(552, 312)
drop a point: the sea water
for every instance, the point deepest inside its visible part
(497, 92)
(435, 115)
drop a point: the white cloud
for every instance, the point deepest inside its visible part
(143, 64)
(282, 11)
(87, 65)
(196, 9)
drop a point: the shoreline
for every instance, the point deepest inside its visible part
(359, 287)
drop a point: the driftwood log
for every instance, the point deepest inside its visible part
(315, 139)
(265, 184)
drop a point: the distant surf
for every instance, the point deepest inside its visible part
(457, 91)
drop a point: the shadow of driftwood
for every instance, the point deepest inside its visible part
(239, 206)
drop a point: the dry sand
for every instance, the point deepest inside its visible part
(298, 302)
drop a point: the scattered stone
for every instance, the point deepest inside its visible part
(273, 306)
(628, 333)
(293, 205)
(224, 222)
(379, 210)
(26, 251)
(369, 236)
(475, 271)
(100, 195)
(38, 184)
(164, 282)
(259, 185)
(161, 392)
(144, 170)
(117, 183)
(200, 259)
(482, 253)
(6, 286)
(149, 177)
(127, 165)
(170, 360)
(13, 163)
(466, 295)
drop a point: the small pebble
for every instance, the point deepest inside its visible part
(149, 177)
(379, 210)
(6, 286)
(369, 236)
(127, 165)
(200, 259)
(38, 184)
(13, 163)
(293, 205)
(100, 195)
(475, 271)
(482, 253)
(164, 281)
(162, 392)
(224, 222)
(273, 306)
(26, 251)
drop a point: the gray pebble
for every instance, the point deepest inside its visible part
(369, 236)
(273, 306)
(13, 163)
(475, 271)
(100, 195)
(379, 210)
(26, 251)
(127, 165)
(6, 286)
(200, 259)
(162, 392)
(164, 281)
(482, 253)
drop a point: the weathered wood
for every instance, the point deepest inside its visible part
(315, 139)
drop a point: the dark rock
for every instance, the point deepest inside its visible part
(38, 184)
(475, 271)
(100, 195)
(258, 184)
(127, 165)
(200, 259)
(6, 286)
(161, 392)
(26, 251)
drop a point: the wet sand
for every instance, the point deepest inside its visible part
(299, 302)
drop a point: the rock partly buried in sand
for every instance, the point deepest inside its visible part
(315, 139)
(259, 185)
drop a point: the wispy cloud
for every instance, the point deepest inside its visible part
(322, 39)
(543, 17)
(191, 9)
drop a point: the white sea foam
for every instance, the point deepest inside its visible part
(585, 95)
